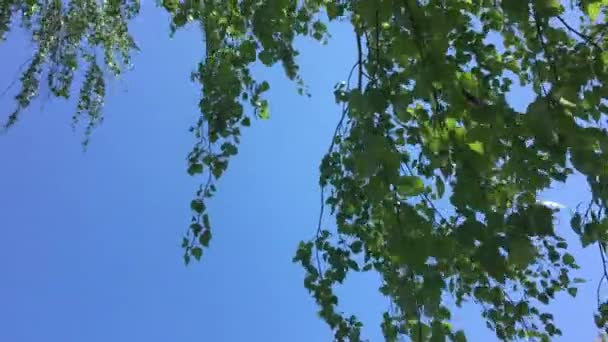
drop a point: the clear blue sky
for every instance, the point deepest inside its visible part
(89, 242)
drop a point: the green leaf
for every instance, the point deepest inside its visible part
(578, 280)
(572, 291)
(548, 7)
(459, 336)
(195, 169)
(593, 10)
(266, 57)
(440, 186)
(410, 186)
(229, 149)
(567, 103)
(469, 82)
(264, 86)
(196, 228)
(540, 220)
(576, 223)
(205, 237)
(247, 50)
(264, 111)
(438, 330)
(353, 265)
(206, 223)
(568, 259)
(477, 146)
(356, 247)
(521, 252)
(197, 252)
(197, 206)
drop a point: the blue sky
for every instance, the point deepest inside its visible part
(89, 242)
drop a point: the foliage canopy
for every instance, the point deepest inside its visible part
(425, 118)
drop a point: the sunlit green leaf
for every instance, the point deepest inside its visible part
(410, 185)
(264, 111)
(477, 146)
(593, 9)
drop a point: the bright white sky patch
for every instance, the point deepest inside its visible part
(551, 204)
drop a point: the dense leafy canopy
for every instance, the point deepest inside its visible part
(425, 118)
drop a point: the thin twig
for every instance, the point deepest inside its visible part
(359, 58)
(318, 233)
(583, 36)
(599, 287)
(605, 275)
(16, 78)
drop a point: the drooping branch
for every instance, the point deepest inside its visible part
(358, 65)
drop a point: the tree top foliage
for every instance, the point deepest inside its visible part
(424, 118)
